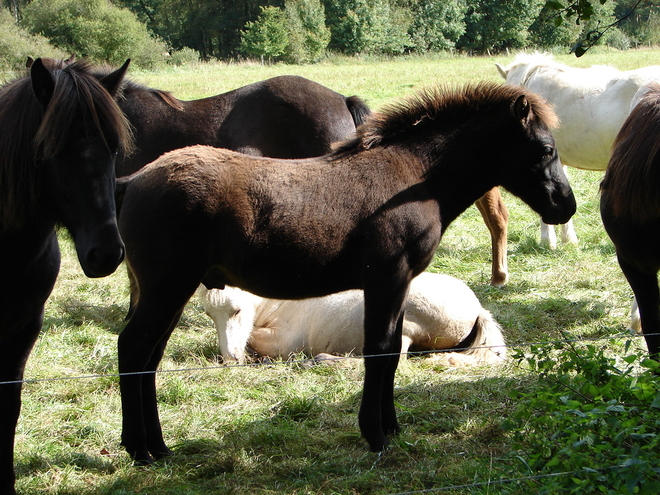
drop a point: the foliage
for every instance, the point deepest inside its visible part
(185, 56)
(592, 416)
(267, 37)
(365, 26)
(16, 44)
(435, 25)
(308, 36)
(497, 26)
(640, 22)
(94, 29)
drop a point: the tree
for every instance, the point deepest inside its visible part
(308, 36)
(435, 25)
(492, 25)
(267, 37)
(365, 26)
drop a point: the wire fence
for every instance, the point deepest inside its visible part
(334, 358)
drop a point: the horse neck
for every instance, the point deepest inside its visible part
(456, 188)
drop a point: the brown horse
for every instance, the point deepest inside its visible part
(60, 131)
(369, 215)
(630, 209)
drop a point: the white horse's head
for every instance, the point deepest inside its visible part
(524, 65)
(233, 312)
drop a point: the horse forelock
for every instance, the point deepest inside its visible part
(79, 94)
(31, 133)
(632, 178)
(440, 105)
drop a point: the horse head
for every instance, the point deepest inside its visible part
(543, 186)
(82, 129)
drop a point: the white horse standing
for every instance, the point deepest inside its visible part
(591, 103)
(441, 312)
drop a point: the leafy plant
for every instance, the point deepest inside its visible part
(592, 418)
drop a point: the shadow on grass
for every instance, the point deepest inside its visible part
(450, 431)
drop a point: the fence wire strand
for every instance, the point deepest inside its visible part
(307, 360)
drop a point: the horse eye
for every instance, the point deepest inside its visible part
(548, 151)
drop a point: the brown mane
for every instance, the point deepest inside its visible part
(633, 174)
(427, 106)
(31, 133)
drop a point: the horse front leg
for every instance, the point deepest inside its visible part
(644, 285)
(383, 323)
(15, 347)
(496, 217)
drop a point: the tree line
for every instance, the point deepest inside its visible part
(304, 31)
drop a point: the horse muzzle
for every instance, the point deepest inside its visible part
(563, 208)
(101, 253)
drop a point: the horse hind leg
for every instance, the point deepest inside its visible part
(496, 217)
(635, 321)
(568, 235)
(141, 346)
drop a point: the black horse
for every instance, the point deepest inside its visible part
(630, 209)
(60, 131)
(370, 216)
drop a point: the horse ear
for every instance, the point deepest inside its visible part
(29, 62)
(112, 82)
(43, 84)
(522, 108)
(503, 72)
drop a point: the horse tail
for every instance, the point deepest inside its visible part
(358, 108)
(488, 346)
(484, 345)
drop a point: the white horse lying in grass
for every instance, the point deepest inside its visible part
(441, 312)
(591, 103)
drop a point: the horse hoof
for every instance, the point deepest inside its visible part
(161, 453)
(143, 461)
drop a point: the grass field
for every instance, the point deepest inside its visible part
(290, 428)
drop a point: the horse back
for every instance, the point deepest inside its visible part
(287, 117)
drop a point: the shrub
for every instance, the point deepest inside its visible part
(17, 44)
(267, 37)
(94, 29)
(308, 36)
(185, 56)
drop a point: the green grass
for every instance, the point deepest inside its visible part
(293, 429)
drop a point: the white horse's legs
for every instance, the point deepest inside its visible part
(568, 235)
(635, 321)
(548, 235)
